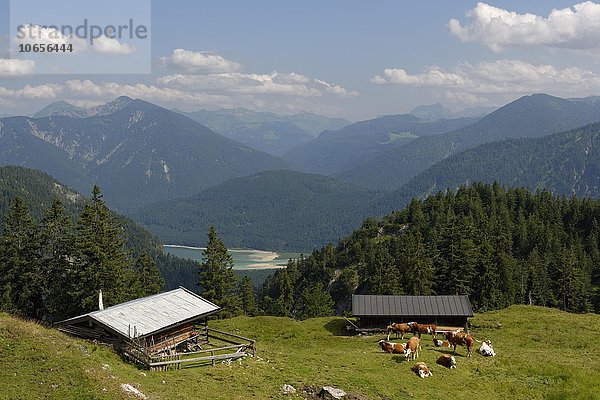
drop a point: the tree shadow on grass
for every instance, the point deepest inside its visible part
(337, 327)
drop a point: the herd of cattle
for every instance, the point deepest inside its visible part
(410, 350)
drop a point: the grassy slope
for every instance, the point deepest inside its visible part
(542, 353)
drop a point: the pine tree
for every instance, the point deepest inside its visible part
(20, 260)
(102, 261)
(417, 267)
(57, 265)
(146, 277)
(218, 281)
(247, 296)
(316, 302)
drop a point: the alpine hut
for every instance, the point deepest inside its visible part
(375, 312)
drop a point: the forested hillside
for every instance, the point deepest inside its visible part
(499, 246)
(528, 117)
(273, 210)
(565, 163)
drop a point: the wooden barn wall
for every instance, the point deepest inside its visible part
(383, 321)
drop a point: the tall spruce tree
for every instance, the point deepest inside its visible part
(146, 277)
(20, 261)
(248, 297)
(217, 280)
(316, 302)
(57, 242)
(101, 258)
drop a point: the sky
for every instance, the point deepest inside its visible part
(347, 58)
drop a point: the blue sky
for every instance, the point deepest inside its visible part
(355, 59)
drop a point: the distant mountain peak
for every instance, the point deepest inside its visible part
(432, 112)
(111, 107)
(60, 107)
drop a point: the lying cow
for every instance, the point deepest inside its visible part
(412, 348)
(421, 369)
(398, 329)
(486, 349)
(440, 343)
(419, 329)
(392, 348)
(461, 338)
(447, 360)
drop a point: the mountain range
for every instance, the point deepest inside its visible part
(566, 163)
(530, 116)
(336, 151)
(269, 132)
(177, 177)
(136, 151)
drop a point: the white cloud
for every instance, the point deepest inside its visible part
(106, 45)
(431, 77)
(108, 90)
(199, 62)
(289, 84)
(468, 82)
(45, 91)
(198, 86)
(16, 67)
(570, 28)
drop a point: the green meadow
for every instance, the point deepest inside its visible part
(542, 354)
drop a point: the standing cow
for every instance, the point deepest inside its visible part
(461, 338)
(419, 329)
(398, 329)
(412, 348)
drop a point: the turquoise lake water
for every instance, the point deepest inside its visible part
(243, 258)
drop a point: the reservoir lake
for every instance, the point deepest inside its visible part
(244, 259)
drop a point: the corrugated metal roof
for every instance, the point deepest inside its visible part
(414, 306)
(153, 313)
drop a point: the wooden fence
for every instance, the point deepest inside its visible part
(236, 347)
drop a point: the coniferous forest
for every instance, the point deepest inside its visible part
(499, 246)
(52, 269)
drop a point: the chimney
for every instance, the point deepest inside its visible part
(100, 302)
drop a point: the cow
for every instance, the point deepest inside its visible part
(398, 329)
(392, 348)
(486, 349)
(412, 348)
(421, 369)
(461, 338)
(440, 343)
(447, 360)
(419, 329)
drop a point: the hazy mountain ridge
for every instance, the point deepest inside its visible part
(530, 116)
(269, 132)
(566, 163)
(336, 151)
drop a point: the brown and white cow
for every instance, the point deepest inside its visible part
(462, 339)
(412, 348)
(447, 360)
(421, 369)
(398, 329)
(392, 348)
(440, 343)
(419, 329)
